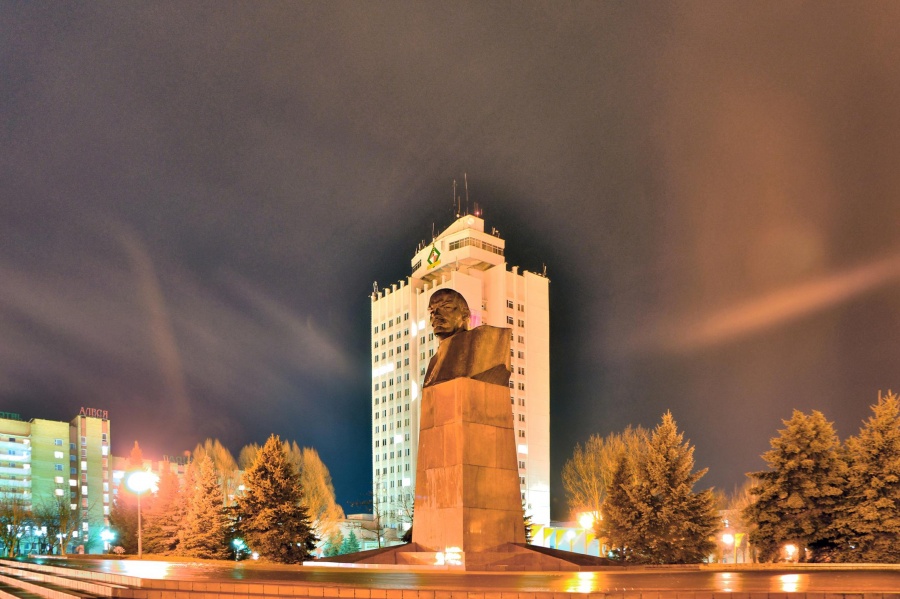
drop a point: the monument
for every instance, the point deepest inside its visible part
(467, 481)
(467, 508)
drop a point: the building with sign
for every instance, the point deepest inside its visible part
(464, 258)
(46, 464)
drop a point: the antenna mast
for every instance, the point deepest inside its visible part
(466, 183)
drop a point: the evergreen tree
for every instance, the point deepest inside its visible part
(161, 523)
(797, 498)
(656, 517)
(225, 466)
(333, 545)
(271, 517)
(123, 519)
(183, 504)
(350, 544)
(123, 516)
(869, 521)
(204, 526)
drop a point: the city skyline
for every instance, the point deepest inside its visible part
(198, 198)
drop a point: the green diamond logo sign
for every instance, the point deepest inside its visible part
(434, 258)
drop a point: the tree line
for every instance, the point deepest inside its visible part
(833, 501)
(828, 501)
(276, 501)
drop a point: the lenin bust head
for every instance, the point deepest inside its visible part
(449, 313)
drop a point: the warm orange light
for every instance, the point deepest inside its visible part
(586, 520)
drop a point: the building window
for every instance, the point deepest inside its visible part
(58, 467)
(521, 433)
(509, 304)
(57, 442)
(521, 339)
(511, 384)
(521, 323)
(521, 417)
(521, 370)
(521, 465)
(509, 320)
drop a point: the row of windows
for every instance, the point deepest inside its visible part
(384, 456)
(471, 241)
(385, 341)
(509, 304)
(385, 354)
(512, 385)
(389, 382)
(390, 323)
(385, 469)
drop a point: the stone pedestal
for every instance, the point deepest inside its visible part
(467, 477)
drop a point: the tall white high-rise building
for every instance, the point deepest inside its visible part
(465, 258)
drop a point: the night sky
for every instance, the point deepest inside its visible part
(196, 198)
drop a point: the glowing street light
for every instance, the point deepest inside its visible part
(106, 535)
(790, 550)
(140, 482)
(586, 520)
(728, 540)
(239, 545)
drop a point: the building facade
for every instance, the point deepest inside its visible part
(58, 474)
(465, 258)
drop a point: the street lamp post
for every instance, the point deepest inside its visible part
(728, 540)
(140, 482)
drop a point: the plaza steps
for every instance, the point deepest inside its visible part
(27, 581)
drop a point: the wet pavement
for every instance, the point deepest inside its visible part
(819, 579)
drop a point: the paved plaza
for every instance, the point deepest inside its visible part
(151, 579)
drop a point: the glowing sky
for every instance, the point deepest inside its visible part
(195, 199)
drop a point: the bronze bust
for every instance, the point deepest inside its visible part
(481, 354)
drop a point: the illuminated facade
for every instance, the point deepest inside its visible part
(42, 461)
(464, 258)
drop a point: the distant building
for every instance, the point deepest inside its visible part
(44, 460)
(464, 258)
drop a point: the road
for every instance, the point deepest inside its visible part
(820, 579)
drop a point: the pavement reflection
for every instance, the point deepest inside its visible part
(786, 580)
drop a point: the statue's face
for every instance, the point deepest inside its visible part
(448, 315)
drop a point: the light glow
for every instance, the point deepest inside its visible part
(376, 372)
(789, 582)
(142, 481)
(586, 520)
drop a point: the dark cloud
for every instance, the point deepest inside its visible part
(196, 199)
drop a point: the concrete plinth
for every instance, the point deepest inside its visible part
(467, 477)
